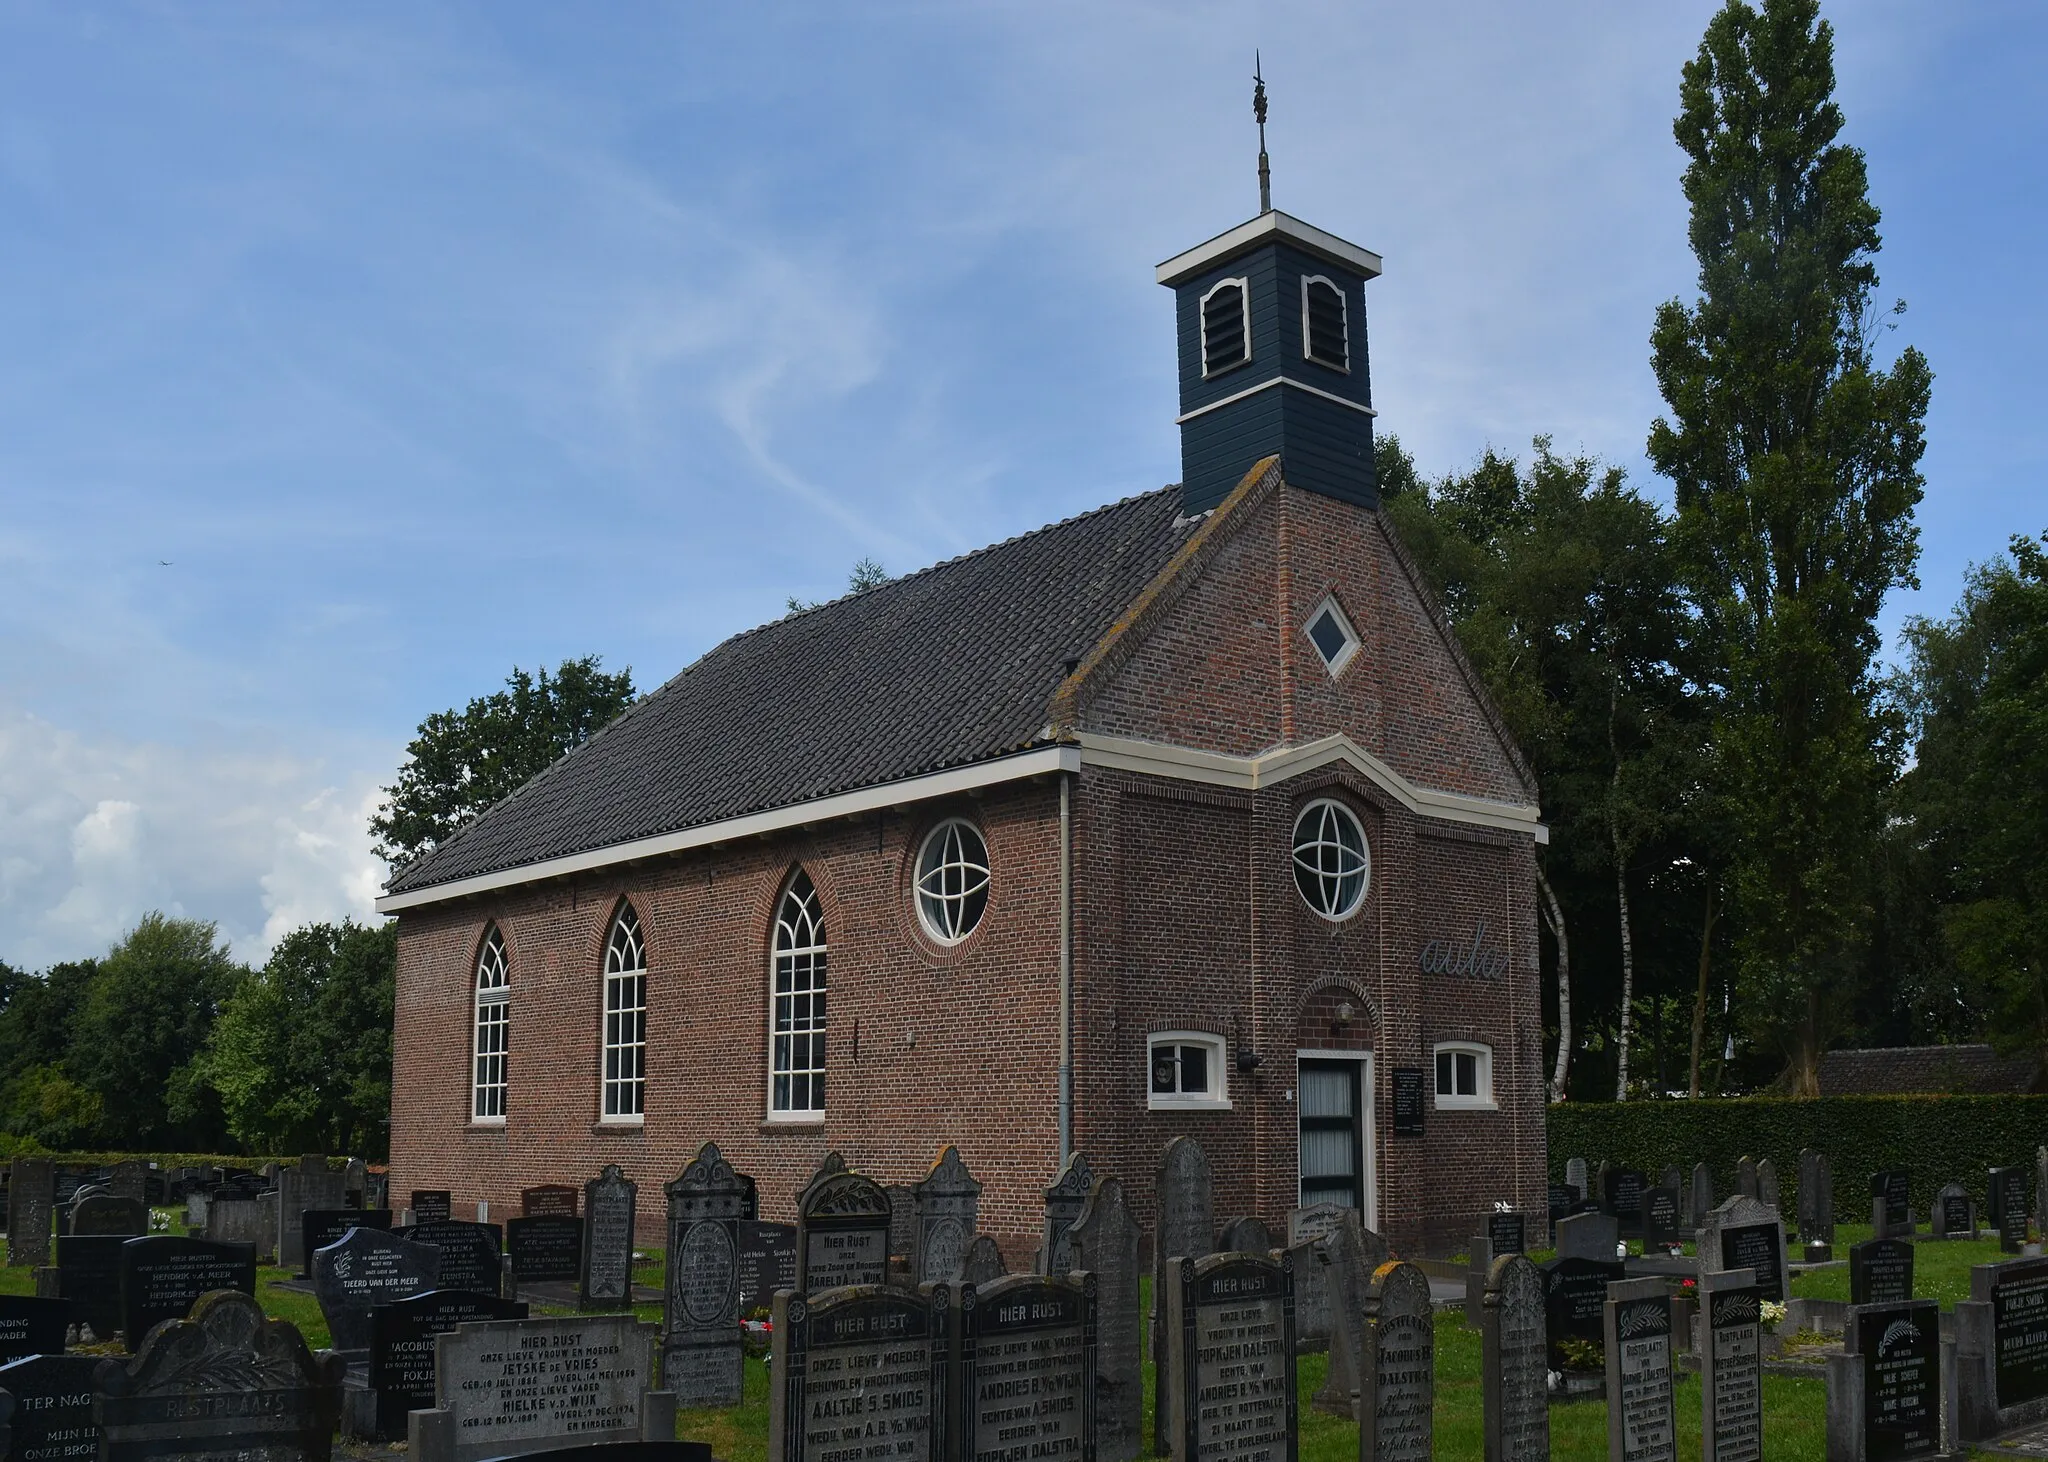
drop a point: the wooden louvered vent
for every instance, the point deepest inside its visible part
(1323, 311)
(1224, 337)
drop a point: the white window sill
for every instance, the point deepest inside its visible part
(795, 1119)
(638, 1120)
(1466, 1104)
(1157, 1103)
(488, 1123)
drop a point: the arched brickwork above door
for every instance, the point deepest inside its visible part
(1337, 1015)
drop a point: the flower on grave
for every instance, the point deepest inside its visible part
(1773, 1312)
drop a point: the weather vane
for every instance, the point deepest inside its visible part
(1259, 114)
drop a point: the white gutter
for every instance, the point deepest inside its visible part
(1066, 974)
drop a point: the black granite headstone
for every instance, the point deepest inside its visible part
(52, 1408)
(319, 1227)
(432, 1205)
(2009, 1208)
(2019, 1328)
(619, 1452)
(469, 1253)
(366, 1268)
(1754, 1246)
(1660, 1218)
(1956, 1218)
(1881, 1272)
(1507, 1232)
(1574, 1292)
(89, 1276)
(1563, 1198)
(1623, 1198)
(545, 1246)
(767, 1263)
(31, 1326)
(1894, 1186)
(163, 1277)
(1901, 1351)
(402, 1347)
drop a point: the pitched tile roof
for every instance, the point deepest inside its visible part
(1949, 1069)
(951, 665)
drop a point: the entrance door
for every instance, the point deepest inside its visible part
(1335, 1147)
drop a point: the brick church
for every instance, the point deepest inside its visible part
(1185, 815)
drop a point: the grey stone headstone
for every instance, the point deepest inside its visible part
(1575, 1175)
(1746, 1178)
(196, 1203)
(1063, 1202)
(948, 1211)
(1103, 1241)
(1642, 1415)
(1816, 1197)
(842, 1229)
(701, 1351)
(834, 1352)
(367, 1268)
(1185, 1229)
(1885, 1388)
(1731, 1367)
(1955, 1213)
(1588, 1236)
(1337, 1261)
(902, 1220)
(1745, 1234)
(1230, 1331)
(1671, 1178)
(590, 1377)
(1767, 1183)
(1477, 1263)
(235, 1220)
(230, 1382)
(1319, 1270)
(310, 1185)
(1397, 1394)
(611, 1203)
(1699, 1196)
(108, 1213)
(31, 1194)
(130, 1179)
(1515, 1364)
(355, 1182)
(984, 1262)
(1027, 1336)
(1245, 1236)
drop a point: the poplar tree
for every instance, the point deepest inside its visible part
(1795, 456)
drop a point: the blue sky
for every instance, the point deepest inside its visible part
(423, 340)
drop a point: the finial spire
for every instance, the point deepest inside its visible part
(1259, 113)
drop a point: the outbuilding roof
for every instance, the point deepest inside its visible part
(942, 668)
(1954, 1070)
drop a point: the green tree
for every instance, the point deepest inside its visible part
(462, 762)
(39, 1099)
(301, 1056)
(866, 573)
(146, 1016)
(1795, 458)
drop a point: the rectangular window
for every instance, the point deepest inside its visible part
(1186, 1070)
(799, 1034)
(625, 1044)
(1464, 1076)
(493, 1029)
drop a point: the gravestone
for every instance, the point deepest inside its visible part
(545, 1248)
(1955, 1213)
(1731, 1366)
(701, 1354)
(53, 1396)
(89, 1276)
(1575, 1175)
(1816, 1197)
(1103, 1241)
(1881, 1272)
(902, 1221)
(365, 1268)
(842, 1229)
(163, 1277)
(401, 1370)
(1699, 1195)
(984, 1264)
(319, 1227)
(1185, 1229)
(432, 1205)
(1063, 1202)
(1397, 1377)
(1621, 1196)
(1230, 1334)
(611, 1201)
(470, 1256)
(1891, 1202)
(948, 1208)
(106, 1213)
(1744, 1234)
(767, 1263)
(1884, 1390)
(862, 1367)
(1767, 1183)
(1316, 1270)
(1746, 1178)
(310, 1185)
(1561, 1199)
(2009, 1208)
(1027, 1366)
(549, 1200)
(224, 1383)
(1245, 1236)
(1514, 1367)
(1642, 1413)
(1340, 1261)
(240, 1220)
(1588, 1236)
(1661, 1227)
(2002, 1348)
(197, 1201)
(1477, 1262)
(503, 1387)
(30, 1197)
(1574, 1293)
(2041, 1191)
(30, 1326)
(129, 1178)
(1507, 1232)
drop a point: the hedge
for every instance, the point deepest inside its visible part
(163, 1160)
(1938, 1139)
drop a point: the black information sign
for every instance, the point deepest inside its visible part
(402, 1347)
(1755, 1246)
(31, 1326)
(767, 1262)
(2019, 1327)
(1880, 1272)
(1508, 1232)
(1573, 1292)
(1407, 1101)
(1901, 1348)
(1893, 1186)
(545, 1246)
(469, 1253)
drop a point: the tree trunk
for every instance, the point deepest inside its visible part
(1806, 1069)
(1554, 917)
(1628, 945)
(1699, 1002)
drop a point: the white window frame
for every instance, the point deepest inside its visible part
(620, 982)
(1365, 847)
(819, 951)
(1343, 303)
(1369, 1210)
(1483, 1074)
(1218, 1100)
(496, 998)
(1331, 607)
(1244, 310)
(933, 929)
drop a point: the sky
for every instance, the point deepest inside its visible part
(354, 355)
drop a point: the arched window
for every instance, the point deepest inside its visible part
(952, 880)
(797, 1025)
(1325, 338)
(625, 1020)
(493, 1030)
(1226, 327)
(1331, 860)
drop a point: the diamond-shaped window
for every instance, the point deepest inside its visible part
(1332, 636)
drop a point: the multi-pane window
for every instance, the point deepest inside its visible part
(493, 1031)
(952, 880)
(1323, 336)
(1186, 1070)
(1331, 860)
(1226, 328)
(797, 1033)
(625, 1020)
(1464, 1075)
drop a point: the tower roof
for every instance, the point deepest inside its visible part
(1267, 228)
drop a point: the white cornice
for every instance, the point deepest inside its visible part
(1250, 773)
(1304, 236)
(1186, 416)
(847, 804)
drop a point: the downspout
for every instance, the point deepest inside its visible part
(1066, 972)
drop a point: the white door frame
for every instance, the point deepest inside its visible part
(1370, 1203)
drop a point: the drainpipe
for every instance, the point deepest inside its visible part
(1066, 972)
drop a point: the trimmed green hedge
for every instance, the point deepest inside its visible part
(163, 1160)
(1939, 1139)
